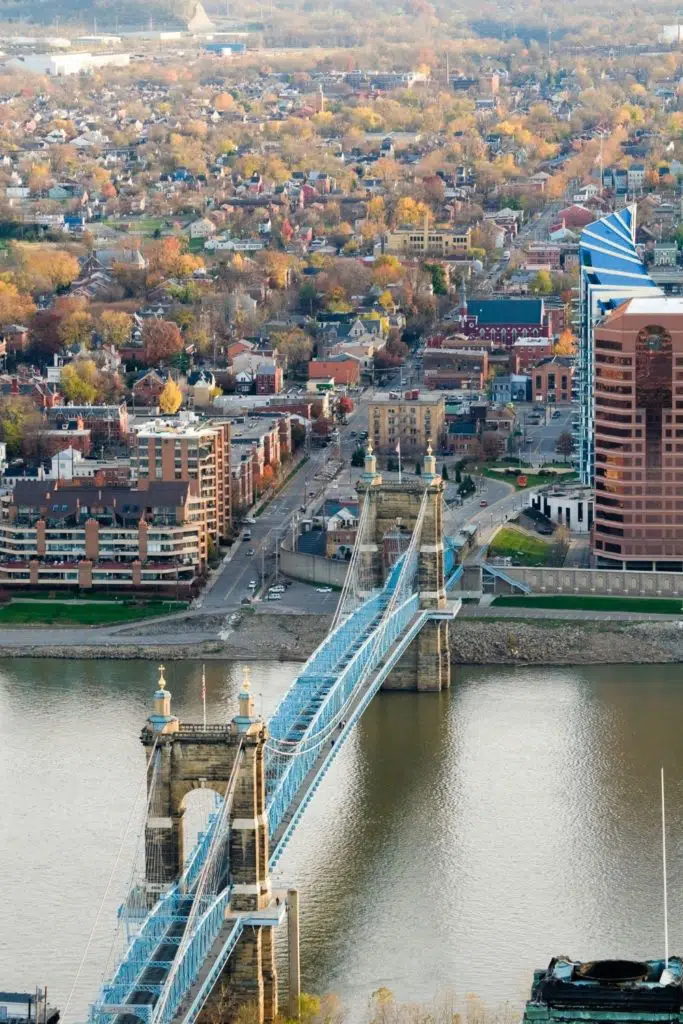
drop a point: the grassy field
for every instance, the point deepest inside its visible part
(532, 479)
(594, 603)
(68, 613)
(523, 547)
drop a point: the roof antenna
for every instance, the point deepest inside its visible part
(666, 900)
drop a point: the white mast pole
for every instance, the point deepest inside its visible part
(666, 899)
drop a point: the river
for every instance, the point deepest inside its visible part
(459, 841)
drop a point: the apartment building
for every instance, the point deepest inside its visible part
(413, 418)
(428, 240)
(187, 448)
(638, 385)
(267, 440)
(107, 423)
(79, 534)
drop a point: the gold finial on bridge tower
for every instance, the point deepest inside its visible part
(429, 468)
(162, 720)
(370, 474)
(246, 701)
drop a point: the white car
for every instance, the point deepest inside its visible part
(253, 584)
(323, 590)
(250, 520)
(273, 597)
(278, 589)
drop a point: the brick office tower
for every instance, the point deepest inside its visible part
(639, 436)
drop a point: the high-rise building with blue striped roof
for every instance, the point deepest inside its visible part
(611, 271)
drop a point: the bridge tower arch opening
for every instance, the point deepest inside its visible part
(184, 758)
(394, 508)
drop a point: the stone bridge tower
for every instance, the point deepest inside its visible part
(197, 756)
(393, 505)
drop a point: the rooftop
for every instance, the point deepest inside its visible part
(424, 398)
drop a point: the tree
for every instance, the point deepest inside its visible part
(298, 435)
(439, 278)
(444, 472)
(19, 418)
(161, 340)
(76, 329)
(267, 477)
(44, 269)
(467, 487)
(566, 344)
(492, 445)
(293, 345)
(80, 382)
(387, 269)
(15, 307)
(171, 398)
(115, 327)
(564, 445)
(541, 283)
(344, 406)
(418, 468)
(358, 458)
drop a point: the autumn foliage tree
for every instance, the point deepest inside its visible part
(15, 307)
(115, 327)
(171, 398)
(566, 344)
(77, 328)
(80, 381)
(161, 340)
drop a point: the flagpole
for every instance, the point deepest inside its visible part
(398, 451)
(204, 695)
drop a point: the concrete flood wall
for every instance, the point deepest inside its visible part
(597, 581)
(312, 568)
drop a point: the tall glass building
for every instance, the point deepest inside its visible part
(611, 271)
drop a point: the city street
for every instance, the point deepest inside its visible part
(542, 437)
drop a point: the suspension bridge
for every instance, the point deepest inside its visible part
(196, 929)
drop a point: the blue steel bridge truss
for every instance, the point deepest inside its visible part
(166, 973)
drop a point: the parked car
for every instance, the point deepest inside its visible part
(250, 520)
(483, 503)
(273, 597)
(277, 589)
(323, 590)
(252, 584)
(250, 552)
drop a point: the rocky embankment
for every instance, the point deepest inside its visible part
(293, 637)
(553, 642)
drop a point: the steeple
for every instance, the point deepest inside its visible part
(463, 299)
(162, 720)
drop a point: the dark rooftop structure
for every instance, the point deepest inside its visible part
(606, 991)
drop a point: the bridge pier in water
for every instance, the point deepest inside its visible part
(228, 758)
(396, 506)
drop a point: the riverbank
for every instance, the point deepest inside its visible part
(285, 637)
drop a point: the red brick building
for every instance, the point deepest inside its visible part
(551, 380)
(342, 369)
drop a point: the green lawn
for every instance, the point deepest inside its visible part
(595, 603)
(55, 613)
(532, 479)
(523, 547)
